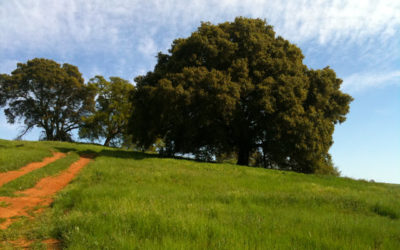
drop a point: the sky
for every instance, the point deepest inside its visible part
(360, 40)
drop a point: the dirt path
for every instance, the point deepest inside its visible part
(40, 195)
(26, 244)
(11, 175)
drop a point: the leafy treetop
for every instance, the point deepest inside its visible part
(47, 95)
(112, 112)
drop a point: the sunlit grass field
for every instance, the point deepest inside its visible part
(14, 154)
(130, 200)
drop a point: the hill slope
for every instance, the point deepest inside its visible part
(127, 200)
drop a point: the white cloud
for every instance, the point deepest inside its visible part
(361, 81)
(147, 47)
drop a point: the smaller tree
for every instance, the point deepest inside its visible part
(112, 112)
(46, 95)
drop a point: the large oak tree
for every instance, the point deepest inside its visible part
(237, 87)
(45, 94)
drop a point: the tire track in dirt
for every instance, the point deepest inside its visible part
(40, 195)
(14, 174)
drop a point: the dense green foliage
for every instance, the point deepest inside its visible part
(3, 97)
(113, 109)
(236, 87)
(128, 200)
(47, 95)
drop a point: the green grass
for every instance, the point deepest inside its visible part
(4, 204)
(15, 154)
(127, 200)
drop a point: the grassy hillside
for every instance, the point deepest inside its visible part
(128, 200)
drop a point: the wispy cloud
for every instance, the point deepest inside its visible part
(134, 30)
(43, 23)
(147, 47)
(361, 81)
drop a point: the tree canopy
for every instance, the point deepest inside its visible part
(47, 95)
(3, 97)
(112, 112)
(237, 87)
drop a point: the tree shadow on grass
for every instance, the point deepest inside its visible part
(87, 153)
(123, 154)
(65, 150)
(83, 153)
(116, 153)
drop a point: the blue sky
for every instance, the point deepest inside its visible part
(360, 40)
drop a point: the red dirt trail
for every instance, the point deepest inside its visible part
(11, 175)
(26, 244)
(40, 195)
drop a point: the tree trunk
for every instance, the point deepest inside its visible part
(264, 159)
(107, 142)
(243, 156)
(49, 135)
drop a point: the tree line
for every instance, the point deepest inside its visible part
(231, 90)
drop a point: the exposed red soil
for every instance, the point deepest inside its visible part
(11, 175)
(25, 244)
(40, 195)
(52, 244)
